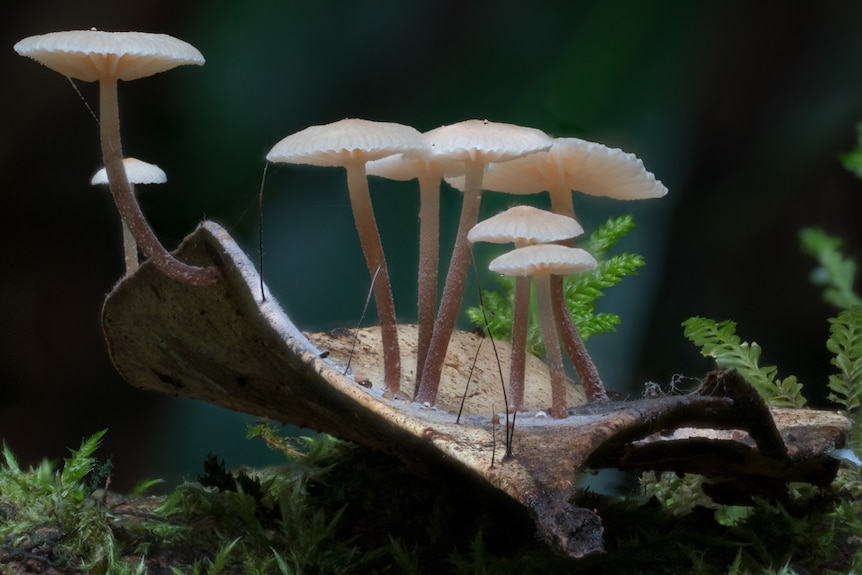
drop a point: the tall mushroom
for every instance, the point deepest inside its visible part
(588, 167)
(137, 172)
(523, 226)
(541, 261)
(107, 57)
(350, 144)
(476, 143)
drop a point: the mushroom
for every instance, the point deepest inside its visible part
(542, 261)
(107, 57)
(429, 173)
(350, 143)
(523, 226)
(594, 169)
(475, 143)
(137, 172)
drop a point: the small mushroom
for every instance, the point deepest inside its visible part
(475, 143)
(541, 261)
(137, 172)
(523, 226)
(350, 144)
(107, 57)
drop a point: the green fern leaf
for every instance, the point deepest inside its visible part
(835, 273)
(609, 234)
(845, 342)
(719, 341)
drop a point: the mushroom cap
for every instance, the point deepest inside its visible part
(525, 225)
(137, 171)
(481, 140)
(552, 259)
(575, 164)
(346, 141)
(92, 55)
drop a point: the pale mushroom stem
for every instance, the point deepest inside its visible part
(453, 290)
(369, 239)
(519, 342)
(127, 204)
(130, 251)
(594, 389)
(553, 357)
(429, 261)
(574, 344)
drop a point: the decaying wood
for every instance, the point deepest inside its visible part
(224, 345)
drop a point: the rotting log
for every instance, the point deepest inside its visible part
(226, 345)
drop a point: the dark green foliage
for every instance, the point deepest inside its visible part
(581, 290)
(215, 475)
(719, 341)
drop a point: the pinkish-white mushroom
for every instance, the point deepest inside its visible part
(350, 144)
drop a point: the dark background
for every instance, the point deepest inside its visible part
(740, 108)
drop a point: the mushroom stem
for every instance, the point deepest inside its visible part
(127, 204)
(130, 250)
(429, 261)
(574, 344)
(553, 357)
(561, 203)
(519, 342)
(453, 290)
(369, 239)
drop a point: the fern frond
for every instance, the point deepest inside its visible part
(609, 234)
(835, 273)
(845, 342)
(719, 341)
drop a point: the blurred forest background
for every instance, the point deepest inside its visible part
(741, 108)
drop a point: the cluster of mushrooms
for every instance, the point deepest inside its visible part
(472, 156)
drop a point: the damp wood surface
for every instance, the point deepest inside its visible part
(476, 369)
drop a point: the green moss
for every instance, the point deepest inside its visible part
(339, 508)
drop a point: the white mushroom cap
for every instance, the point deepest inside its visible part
(92, 55)
(550, 259)
(525, 225)
(485, 141)
(137, 171)
(344, 141)
(575, 164)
